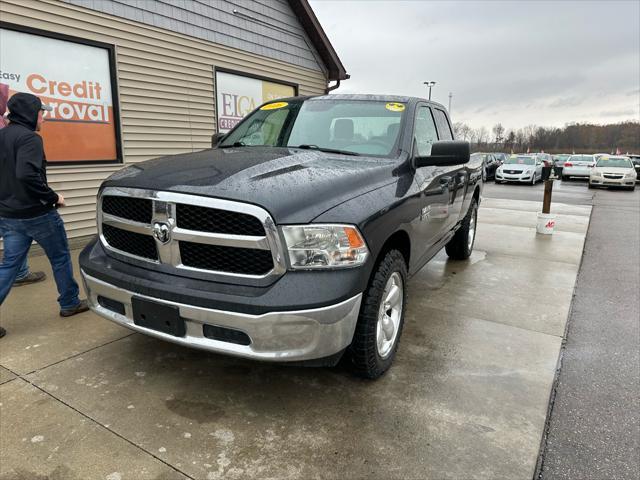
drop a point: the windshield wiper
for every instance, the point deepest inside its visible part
(235, 144)
(327, 150)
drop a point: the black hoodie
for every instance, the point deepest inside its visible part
(24, 192)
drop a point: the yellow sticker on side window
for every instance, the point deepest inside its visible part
(274, 106)
(395, 107)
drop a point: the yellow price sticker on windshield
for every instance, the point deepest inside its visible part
(395, 107)
(274, 106)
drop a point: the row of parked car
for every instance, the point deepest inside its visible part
(600, 169)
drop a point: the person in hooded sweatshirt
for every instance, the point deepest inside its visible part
(28, 204)
(25, 276)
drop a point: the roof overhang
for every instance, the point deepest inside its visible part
(319, 38)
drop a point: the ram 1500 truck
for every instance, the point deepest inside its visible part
(293, 238)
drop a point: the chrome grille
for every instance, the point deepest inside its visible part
(193, 217)
(130, 242)
(136, 209)
(226, 259)
(613, 176)
(188, 234)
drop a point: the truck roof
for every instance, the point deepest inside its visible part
(371, 97)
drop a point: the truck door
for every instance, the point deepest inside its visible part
(434, 183)
(457, 173)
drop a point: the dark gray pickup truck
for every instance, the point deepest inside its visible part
(293, 238)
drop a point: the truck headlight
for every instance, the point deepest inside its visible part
(324, 246)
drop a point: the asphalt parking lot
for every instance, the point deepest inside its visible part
(467, 397)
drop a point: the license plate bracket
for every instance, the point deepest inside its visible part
(158, 316)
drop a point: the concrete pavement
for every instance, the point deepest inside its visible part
(467, 397)
(594, 428)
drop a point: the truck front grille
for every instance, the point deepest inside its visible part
(130, 242)
(188, 234)
(226, 259)
(193, 217)
(136, 209)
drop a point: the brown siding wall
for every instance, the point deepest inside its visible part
(166, 91)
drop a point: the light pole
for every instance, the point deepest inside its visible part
(429, 84)
(450, 95)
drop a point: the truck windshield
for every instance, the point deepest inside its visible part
(357, 127)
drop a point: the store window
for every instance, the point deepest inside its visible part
(238, 95)
(75, 78)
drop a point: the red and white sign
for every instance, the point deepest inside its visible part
(75, 80)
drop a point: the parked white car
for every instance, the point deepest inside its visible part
(613, 171)
(520, 169)
(578, 166)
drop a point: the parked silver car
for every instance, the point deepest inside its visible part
(578, 166)
(520, 169)
(613, 171)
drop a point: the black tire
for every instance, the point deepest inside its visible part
(565, 178)
(362, 355)
(458, 247)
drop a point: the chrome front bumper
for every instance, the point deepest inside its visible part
(275, 336)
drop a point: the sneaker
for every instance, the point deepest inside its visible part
(81, 307)
(32, 277)
(3, 332)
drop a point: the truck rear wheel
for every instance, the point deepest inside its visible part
(381, 319)
(461, 245)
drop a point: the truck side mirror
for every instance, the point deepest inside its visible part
(215, 139)
(448, 152)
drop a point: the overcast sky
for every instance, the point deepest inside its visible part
(515, 62)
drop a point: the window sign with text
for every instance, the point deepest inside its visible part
(238, 96)
(75, 80)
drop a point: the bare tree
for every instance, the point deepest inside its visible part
(461, 131)
(498, 132)
(482, 135)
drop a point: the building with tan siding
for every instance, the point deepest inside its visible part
(133, 80)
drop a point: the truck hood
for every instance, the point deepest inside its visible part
(294, 186)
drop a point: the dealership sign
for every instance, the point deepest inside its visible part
(75, 80)
(239, 95)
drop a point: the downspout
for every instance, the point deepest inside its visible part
(328, 89)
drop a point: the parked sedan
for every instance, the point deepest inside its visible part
(559, 161)
(613, 171)
(578, 166)
(520, 169)
(490, 164)
(501, 157)
(545, 158)
(635, 159)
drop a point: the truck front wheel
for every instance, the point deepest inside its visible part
(461, 245)
(379, 326)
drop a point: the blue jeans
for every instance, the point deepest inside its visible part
(23, 270)
(48, 231)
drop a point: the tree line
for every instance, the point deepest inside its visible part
(576, 137)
